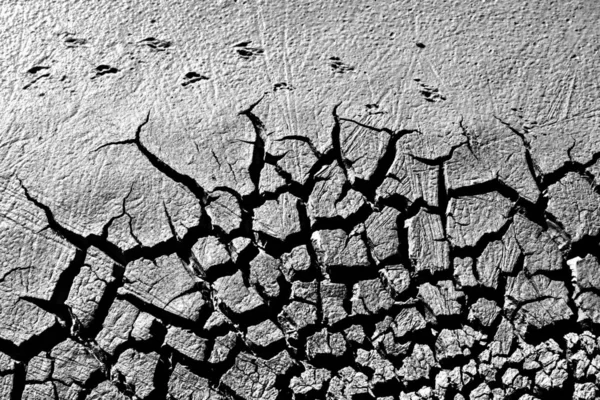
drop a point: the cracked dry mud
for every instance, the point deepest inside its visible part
(247, 200)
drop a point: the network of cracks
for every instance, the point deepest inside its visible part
(372, 275)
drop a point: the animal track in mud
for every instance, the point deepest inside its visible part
(73, 42)
(338, 66)
(193, 77)
(377, 276)
(282, 86)
(104, 70)
(430, 93)
(246, 52)
(156, 44)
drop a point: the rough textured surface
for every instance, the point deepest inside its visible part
(299, 200)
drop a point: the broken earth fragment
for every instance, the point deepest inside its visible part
(470, 218)
(427, 245)
(165, 283)
(278, 218)
(138, 371)
(235, 295)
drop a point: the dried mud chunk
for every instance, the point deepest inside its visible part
(210, 253)
(306, 291)
(270, 180)
(383, 371)
(586, 278)
(67, 392)
(120, 233)
(513, 380)
(442, 299)
(38, 391)
(264, 334)
(117, 325)
(418, 365)
(232, 291)
(589, 306)
(382, 232)
(410, 179)
(39, 368)
(408, 320)
(580, 364)
(105, 390)
(237, 246)
(538, 301)
(355, 334)
(6, 380)
(585, 391)
(278, 218)
(265, 273)
(423, 393)
(397, 279)
(553, 373)
(138, 370)
(253, 378)
(185, 385)
(89, 286)
(484, 311)
(6, 363)
(463, 272)
(337, 248)
(222, 348)
(455, 343)
(329, 198)
(164, 283)
(481, 392)
(310, 381)
(352, 202)
(295, 262)
(322, 343)
(382, 326)
(448, 379)
(472, 217)
(540, 251)
(370, 297)
(333, 296)
(6, 386)
(427, 245)
(143, 327)
(348, 384)
(224, 211)
(586, 272)
(186, 343)
(326, 193)
(73, 363)
(574, 202)
(299, 315)
(217, 320)
(391, 347)
(489, 264)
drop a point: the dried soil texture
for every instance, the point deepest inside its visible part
(299, 200)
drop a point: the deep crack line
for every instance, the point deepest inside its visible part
(187, 181)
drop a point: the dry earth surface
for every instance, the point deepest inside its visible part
(299, 200)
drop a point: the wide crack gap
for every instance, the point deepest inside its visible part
(258, 155)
